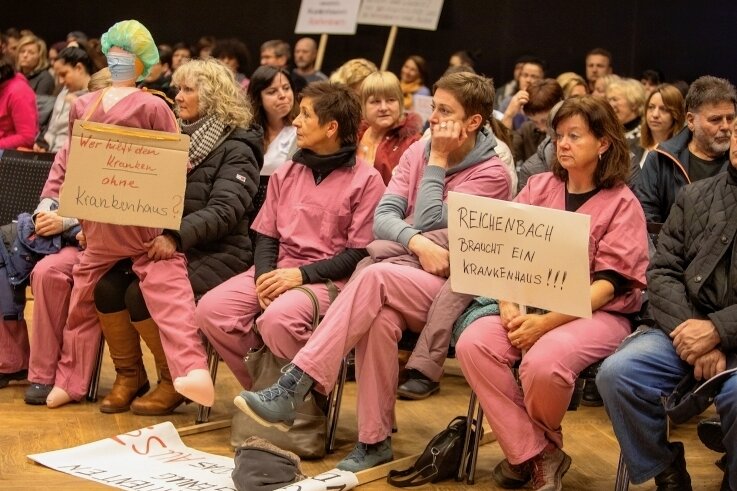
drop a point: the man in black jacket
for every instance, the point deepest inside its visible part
(696, 152)
(692, 284)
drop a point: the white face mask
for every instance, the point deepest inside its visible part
(122, 66)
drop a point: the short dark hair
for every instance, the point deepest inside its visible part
(709, 90)
(613, 168)
(533, 60)
(600, 52)
(544, 94)
(652, 76)
(182, 45)
(233, 48)
(336, 102)
(72, 55)
(165, 54)
(260, 81)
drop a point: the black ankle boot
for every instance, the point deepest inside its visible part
(675, 477)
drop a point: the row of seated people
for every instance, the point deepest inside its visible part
(305, 236)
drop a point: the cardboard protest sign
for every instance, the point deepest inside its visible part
(327, 17)
(417, 14)
(152, 458)
(125, 176)
(520, 253)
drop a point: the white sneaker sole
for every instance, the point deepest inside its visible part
(241, 404)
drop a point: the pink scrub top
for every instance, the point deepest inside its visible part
(317, 221)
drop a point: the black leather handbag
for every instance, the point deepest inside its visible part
(439, 461)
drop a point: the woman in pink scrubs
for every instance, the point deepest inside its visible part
(589, 176)
(312, 230)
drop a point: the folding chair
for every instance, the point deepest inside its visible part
(22, 178)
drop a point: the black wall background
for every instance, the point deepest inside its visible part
(683, 38)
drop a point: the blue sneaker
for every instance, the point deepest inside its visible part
(367, 455)
(276, 406)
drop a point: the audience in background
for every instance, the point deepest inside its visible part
(664, 117)
(33, 63)
(598, 65)
(159, 78)
(543, 95)
(627, 98)
(18, 114)
(698, 151)
(413, 79)
(181, 53)
(572, 84)
(305, 54)
(74, 68)
(274, 107)
(234, 53)
(532, 71)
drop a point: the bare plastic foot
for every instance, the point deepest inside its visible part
(57, 398)
(196, 386)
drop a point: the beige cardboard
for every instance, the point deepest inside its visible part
(125, 176)
(527, 254)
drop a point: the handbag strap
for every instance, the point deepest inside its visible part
(333, 291)
(414, 477)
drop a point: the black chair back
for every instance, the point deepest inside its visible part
(22, 177)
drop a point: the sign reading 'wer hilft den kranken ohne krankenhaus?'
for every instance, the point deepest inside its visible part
(125, 176)
(520, 253)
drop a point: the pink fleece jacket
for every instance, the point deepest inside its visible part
(18, 114)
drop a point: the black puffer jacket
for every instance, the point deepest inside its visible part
(218, 203)
(664, 173)
(692, 275)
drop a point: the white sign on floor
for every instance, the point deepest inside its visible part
(149, 459)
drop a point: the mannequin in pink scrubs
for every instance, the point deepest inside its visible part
(165, 285)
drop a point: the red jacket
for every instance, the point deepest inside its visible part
(18, 114)
(394, 143)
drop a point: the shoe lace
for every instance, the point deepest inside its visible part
(359, 452)
(538, 473)
(283, 387)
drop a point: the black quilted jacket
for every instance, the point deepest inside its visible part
(217, 206)
(693, 275)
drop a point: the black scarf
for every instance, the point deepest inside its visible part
(322, 165)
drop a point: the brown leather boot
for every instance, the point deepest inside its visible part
(163, 399)
(125, 350)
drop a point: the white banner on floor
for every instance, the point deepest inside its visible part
(149, 459)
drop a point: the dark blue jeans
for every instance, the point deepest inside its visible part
(633, 382)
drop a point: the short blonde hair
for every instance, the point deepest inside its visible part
(382, 85)
(570, 80)
(219, 93)
(43, 54)
(632, 90)
(353, 72)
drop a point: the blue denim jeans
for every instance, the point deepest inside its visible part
(633, 382)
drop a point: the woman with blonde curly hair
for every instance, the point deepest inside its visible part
(33, 63)
(225, 157)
